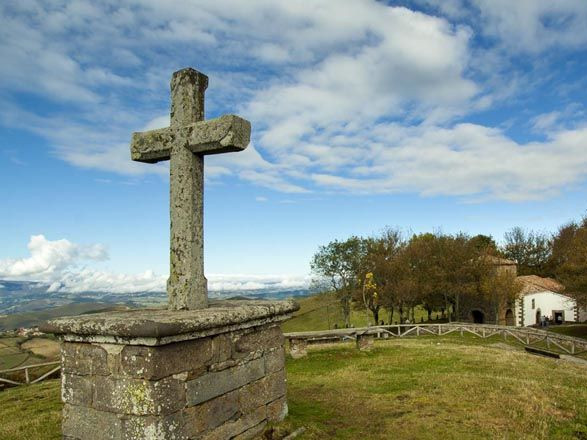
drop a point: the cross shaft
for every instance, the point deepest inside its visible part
(185, 143)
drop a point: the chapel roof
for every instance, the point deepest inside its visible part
(535, 284)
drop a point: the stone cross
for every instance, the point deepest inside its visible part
(185, 143)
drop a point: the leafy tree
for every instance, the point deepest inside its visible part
(501, 289)
(531, 250)
(381, 275)
(484, 244)
(569, 259)
(339, 263)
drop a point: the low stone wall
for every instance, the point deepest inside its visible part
(215, 373)
(219, 387)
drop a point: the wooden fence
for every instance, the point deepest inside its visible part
(27, 373)
(524, 335)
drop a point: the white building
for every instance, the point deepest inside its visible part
(541, 297)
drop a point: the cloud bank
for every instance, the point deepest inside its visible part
(365, 98)
(60, 264)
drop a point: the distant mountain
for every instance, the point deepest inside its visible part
(29, 297)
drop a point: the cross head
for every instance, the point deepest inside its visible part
(185, 143)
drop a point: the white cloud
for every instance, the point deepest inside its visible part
(50, 258)
(220, 282)
(261, 199)
(528, 26)
(469, 160)
(364, 98)
(59, 264)
(535, 26)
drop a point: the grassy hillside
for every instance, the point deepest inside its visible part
(426, 388)
(446, 388)
(13, 355)
(31, 412)
(322, 311)
(576, 330)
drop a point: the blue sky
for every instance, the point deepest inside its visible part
(453, 115)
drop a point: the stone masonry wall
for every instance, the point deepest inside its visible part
(226, 386)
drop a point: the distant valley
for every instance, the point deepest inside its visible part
(27, 303)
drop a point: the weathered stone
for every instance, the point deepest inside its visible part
(77, 390)
(275, 360)
(84, 359)
(83, 423)
(262, 391)
(232, 429)
(251, 432)
(365, 342)
(158, 362)
(298, 348)
(269, 338)
(185, 143)
(215, 384)
(277, 410)
(222, 347)
(161, 327)
(139, 397)
(211, 414)
(172, 427)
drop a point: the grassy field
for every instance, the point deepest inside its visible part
(576, 330)
(31, 412)
(322, 311)
(425, 388)
(428, 388)
(20, 351)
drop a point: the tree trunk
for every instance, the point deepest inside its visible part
(346, 311)
(375, 311)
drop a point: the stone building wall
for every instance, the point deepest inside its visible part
(218, 387)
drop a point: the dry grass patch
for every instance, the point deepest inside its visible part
(436, 388)
(47, 348)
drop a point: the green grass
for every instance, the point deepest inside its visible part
(31, 412)
(323, 311)
(576, 330)
(424, 388)
(432, 388)
(12, 355)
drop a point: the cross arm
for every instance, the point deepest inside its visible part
(220, 135)
(152, 146)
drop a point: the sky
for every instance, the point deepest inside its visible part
(425, 115)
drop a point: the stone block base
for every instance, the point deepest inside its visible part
(224, 382)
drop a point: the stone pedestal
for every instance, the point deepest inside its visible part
(365, 341)
(214, 373)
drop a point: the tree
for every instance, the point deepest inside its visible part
(380, 277)
(501, 289)
(531, 250)
(569, 259)
(340, 264)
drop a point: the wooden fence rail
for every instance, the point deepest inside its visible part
(523, 335)
(27, 377)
